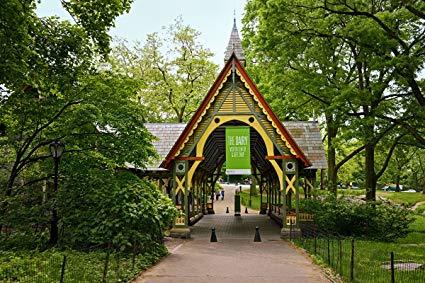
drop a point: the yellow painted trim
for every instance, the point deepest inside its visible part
(192, 172)
(292, 150)
(291, 182)
(180, 184)
(242, 118)
(180, 220)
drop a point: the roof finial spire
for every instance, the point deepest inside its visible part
(235, 44)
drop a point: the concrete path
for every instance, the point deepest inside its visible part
(235, 257)
(229, 197)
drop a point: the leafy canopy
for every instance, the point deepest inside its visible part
(53, 88)
(173, 69)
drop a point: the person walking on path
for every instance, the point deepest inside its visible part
(217, 195)
(222, 193)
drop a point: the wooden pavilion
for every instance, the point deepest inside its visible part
(284, 155)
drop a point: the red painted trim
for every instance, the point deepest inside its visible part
(204, 104)
(190, 158)
(274, 157)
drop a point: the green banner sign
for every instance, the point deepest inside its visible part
(238, 151)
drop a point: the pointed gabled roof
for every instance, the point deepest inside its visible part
(233, 61)
(235, 45)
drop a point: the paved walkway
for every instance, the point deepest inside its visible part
(229, 198)
(235, 257)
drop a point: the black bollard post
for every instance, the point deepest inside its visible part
(63, 269)
(392, 267)
(257, 237)
(213, 235)
(352, 261)
(227, 210)
(246, 209)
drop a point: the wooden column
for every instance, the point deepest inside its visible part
(284, 209)
(180, 187)
(297, 197)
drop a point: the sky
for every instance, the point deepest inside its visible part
(213, 18)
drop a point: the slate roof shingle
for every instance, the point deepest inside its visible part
(307, 136)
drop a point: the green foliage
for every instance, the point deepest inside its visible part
(54, 88)
(21, 31)
(420, 209)
(255, 200)
(117, 209)
(97, 17)
(173, 70)
(217, 187)
(349, 63)
(110, 208)
(36, 266)
(405, 199)
(369, 256)
(408, 168)
(372, 220)
(419, 224)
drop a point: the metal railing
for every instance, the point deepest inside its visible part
(356, 260)
(71, 267)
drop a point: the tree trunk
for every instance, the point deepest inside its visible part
(332, 173)
(54, 231)
(397, 183)
(370, 181)
(12, 178)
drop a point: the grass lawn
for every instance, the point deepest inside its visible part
(407, 199)
(255, 200)
(36, 266)
(370, 256)
(421, 209)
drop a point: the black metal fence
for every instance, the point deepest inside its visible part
(356, 260)
(63, 267)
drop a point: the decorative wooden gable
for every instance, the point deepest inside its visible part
(234, 94)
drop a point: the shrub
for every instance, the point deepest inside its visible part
(106, 208)
(130, 213)
(371, 220)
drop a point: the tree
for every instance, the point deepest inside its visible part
(406, 168)
(400, 22)
(416, 169)
(173, 69)
(53, 89)
(43, 58)
(20, 25)
(339, 66)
